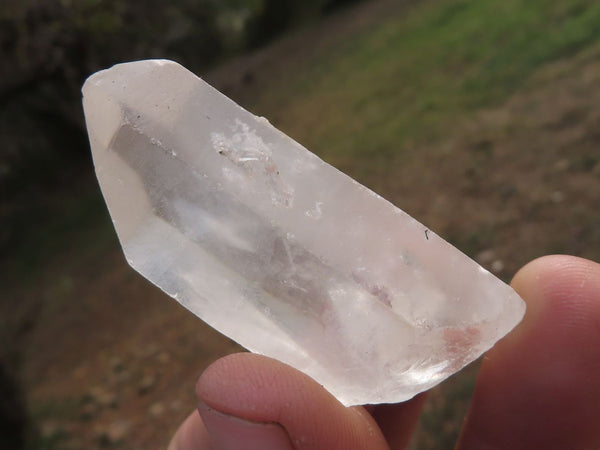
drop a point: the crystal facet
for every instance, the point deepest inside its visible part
(279, 250)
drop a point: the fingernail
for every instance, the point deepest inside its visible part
(228, 432)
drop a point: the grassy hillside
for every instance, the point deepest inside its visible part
(397, 103)
(478, 117)
(412, 75)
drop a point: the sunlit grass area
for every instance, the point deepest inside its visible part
(411, 76)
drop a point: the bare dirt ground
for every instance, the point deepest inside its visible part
(109, 361)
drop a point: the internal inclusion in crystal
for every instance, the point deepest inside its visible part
(247, 150)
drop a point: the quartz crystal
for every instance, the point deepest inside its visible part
(279, 250)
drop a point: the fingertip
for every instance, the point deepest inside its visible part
(561, 292)
(254, 384)
(556, 276)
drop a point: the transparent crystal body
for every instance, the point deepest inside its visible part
(279, 250)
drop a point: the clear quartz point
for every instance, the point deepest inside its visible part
(279, 250)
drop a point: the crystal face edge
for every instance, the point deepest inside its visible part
(277, 249)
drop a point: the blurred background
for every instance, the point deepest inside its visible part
(477, 117)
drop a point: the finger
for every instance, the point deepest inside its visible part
(540, 386)
(256, 389)
(191, 435)
(398, 421)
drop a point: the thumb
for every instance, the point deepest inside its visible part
(210, 429)
(253, 402)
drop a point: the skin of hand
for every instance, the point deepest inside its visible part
(538, 388)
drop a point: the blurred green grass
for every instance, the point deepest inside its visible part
(410, 77)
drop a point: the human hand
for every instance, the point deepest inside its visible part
(538, 388)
